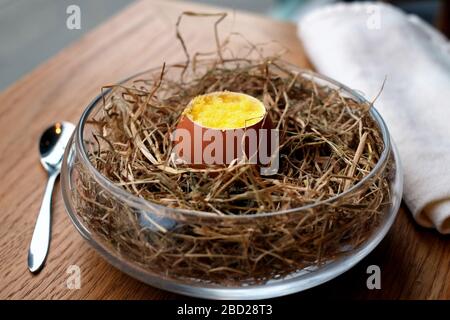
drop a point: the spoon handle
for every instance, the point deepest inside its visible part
(41, 234)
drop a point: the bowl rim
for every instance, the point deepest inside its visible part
(143, 204)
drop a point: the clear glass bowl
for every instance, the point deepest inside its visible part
(113, 202)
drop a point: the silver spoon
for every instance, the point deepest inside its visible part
(51, 148)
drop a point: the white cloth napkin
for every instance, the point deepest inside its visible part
(360, 44)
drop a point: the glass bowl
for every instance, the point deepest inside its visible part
(115, 205)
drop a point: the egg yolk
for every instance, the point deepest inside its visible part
(225, 110)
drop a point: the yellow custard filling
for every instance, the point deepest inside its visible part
(225, 110)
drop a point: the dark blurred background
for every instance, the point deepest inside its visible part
(31, 31)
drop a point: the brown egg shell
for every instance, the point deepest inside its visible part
(198, 156)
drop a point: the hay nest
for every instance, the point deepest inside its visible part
(328, 143)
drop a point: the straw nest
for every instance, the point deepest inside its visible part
(328, 143)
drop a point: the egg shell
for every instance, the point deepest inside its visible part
(201, 138)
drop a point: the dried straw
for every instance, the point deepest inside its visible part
(328, 143)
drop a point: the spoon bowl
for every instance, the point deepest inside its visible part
(52, 144)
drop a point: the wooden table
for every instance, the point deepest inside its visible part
(415, 263)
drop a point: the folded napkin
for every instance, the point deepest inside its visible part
(361, 44)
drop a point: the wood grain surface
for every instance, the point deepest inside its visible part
(414, 262)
